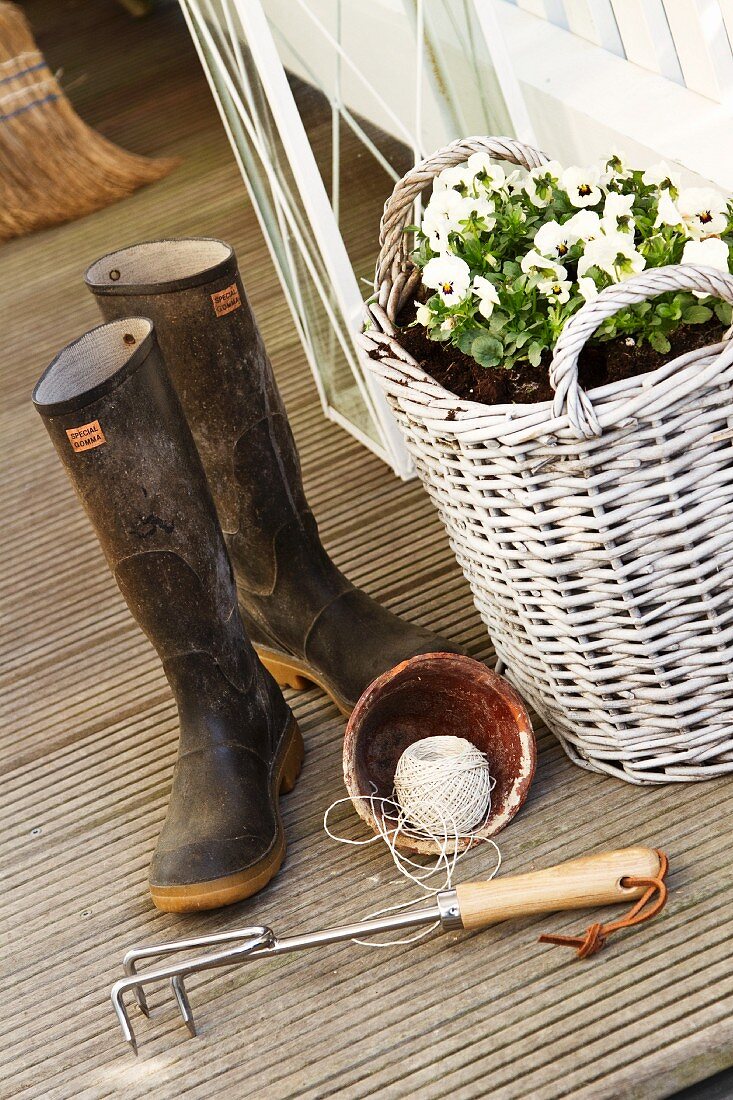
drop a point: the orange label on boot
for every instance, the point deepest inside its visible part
(86, 437)
(226, 300)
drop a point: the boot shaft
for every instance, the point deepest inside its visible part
(119, 430)
(211, 343)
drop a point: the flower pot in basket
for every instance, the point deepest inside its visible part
(595, 530)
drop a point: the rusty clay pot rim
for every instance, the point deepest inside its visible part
(492, 682)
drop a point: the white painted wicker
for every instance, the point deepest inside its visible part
(596, 532)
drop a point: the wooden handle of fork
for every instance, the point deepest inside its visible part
(577, 884)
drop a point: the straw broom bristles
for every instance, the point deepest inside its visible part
(53, 167)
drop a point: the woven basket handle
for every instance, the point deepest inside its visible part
(569, 397)
(398, 208)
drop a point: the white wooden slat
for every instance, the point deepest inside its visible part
(703, 47)
(646, 36)
(551, 10)
(581, 22)
(669, 64)
(635, 34)
(555, 12)
(606, 26)
(726, 8)
(534, 7)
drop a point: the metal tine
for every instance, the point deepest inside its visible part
(184, 1004)
(265, 937)
(132, 957)
(119, 1006)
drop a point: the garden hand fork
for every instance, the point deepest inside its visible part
(629, 875)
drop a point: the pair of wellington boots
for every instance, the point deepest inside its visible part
(123, 418)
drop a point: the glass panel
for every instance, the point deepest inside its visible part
(375, 85)
(277, 196)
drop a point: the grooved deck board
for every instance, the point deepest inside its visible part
(88, 739)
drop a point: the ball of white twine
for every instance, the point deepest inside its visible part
(443, 783)
(442, 792)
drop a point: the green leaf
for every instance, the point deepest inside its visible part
(487, 350)
(724, 312)
(473, 251)
(467, 337)
(659, 342)
(534, 354)
(696, 315)
(671, 311)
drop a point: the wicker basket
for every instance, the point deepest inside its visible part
(596, 531)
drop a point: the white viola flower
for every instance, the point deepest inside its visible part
(450, 178)
(556, 290)
(584, 226)
(704, 211)
(667, 212)
(512, 182)
(424, 314)
(581, 186)
(615, 167)
(487, 295)
(448, 325)
(588, 288)
(534, 262)
(554, 240)
(712, 252)
(480, 207)
(443, 206)
(491, 175)
(439, 237)
(442, 217)
(450, 276)
(613, 253)
(617, 216)
(662, 176)
(541, 182)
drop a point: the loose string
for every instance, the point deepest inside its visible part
(392, 823)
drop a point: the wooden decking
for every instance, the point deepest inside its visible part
(89, 736)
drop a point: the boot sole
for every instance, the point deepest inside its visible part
(231, 888)
(291, 672)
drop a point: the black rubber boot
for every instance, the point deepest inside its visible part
(307, 621)
(119, 429)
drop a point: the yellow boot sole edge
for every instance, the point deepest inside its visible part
(292, 672)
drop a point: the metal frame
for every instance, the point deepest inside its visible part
(216, 35)
(342, 281)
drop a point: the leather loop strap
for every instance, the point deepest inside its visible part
(651, 902)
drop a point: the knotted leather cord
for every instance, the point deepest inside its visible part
(597, 935)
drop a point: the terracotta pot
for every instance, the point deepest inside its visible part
(431, 694)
